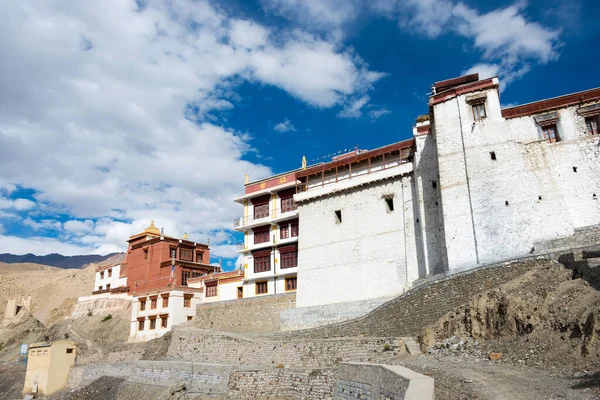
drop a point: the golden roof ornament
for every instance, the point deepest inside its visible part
(185, 236)
(152, 229)
(303, 162)
(246, 179)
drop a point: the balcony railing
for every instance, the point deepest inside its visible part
(243, 221)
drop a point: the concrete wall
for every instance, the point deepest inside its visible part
(102, 279)
(371, 253)
(252, 314)
(498, 209)
(304, 353)
(373, 382)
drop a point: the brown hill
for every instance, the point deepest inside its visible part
(53, 290)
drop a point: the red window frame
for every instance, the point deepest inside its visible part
(211, 289)
(294, 225)
(261, 210)
(261, 235)
(262, 263)
(262, 287)
(289, 259)
(185, 275)
(551, 133)
(284, 231)
(287, 204)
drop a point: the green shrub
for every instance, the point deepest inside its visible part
(108, 317)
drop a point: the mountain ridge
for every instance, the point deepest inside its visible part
(56, 260)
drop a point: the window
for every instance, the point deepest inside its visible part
(211, 289)
(261, 288)
(153, 303)
(163, 321)
(493, 155)
(478, 111)
(99, 287)
(389, 203)
(550, 134)
(185, 254)
(102, 275)
(187, 300)
(185, 275)
(142, 305)
(108, 286)
(434, 184)
(240, 292)
(109, 272)
(199, 257)
(338, 216)
(190, 318)
(289, 259)
(69, 351)
(288, 204)
(196, 274)
(165, 301)
(290, 284)
(284, 230)
(173, 253)
(294, 228)
(153, 323)
(261, 235)
(145, 254)
(262, 263)
(591, 125)
(261, 210)
(140, 325)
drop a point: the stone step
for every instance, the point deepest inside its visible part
(412, 346)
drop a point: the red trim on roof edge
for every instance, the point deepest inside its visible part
(551, 104)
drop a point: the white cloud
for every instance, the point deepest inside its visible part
(2, 229)
(16, 204)
(79, 227)
(354, 109)
(40, 246)
(44, 224)
(378, 113)
(102, 100)
(505, 36)
(285, 126)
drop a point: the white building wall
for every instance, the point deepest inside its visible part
(113, 280)
(492, 209)
(367, 254)
(175, 309)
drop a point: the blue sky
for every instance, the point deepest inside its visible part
(116, 113)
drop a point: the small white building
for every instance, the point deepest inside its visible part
(154, 314)
(220, 286)
(108, 278)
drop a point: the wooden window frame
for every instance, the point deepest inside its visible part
(479, 111)
(187, 301)
(289, 259)
(152, 323)
(592, 125)
(287, 204)
(165, 301)
(185, 275)
(291, 281)
(259, 285)
(164, 322)
(284, 231)
(101, 274)
(294, 225)
(262, 236)
(211, 289)
(109, 272)
(550, 133)
(172, 252)
(143, 305)
(262, 263)
(141, 323)
(186, 254)
(199, 255)
(261, 210)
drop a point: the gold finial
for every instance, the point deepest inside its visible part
(185, 235)
(303, 162)
(246, 179)
(152, 230)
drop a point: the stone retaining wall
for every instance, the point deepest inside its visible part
(214, 380)
(374, 382)
(406, 315)
(102, 306)
(258, 314)
(309, 353)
